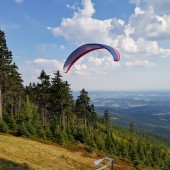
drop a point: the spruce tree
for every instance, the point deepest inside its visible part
(106, 120)
(5, 61)
(60, 101)
(10, 81)
(43, 94)
(14, 92)
(81, 106)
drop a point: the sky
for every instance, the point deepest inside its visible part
(42, 33)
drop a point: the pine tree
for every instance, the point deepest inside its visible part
(43, 94)
(60, 101)
(68, 105)
(14, 92)
(106, 120)
(81, 106)
(10, 81)
(92, 120)
(5, 61)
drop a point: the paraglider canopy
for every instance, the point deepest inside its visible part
(86, 48)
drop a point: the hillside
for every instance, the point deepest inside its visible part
(20, 153)
(47, 111)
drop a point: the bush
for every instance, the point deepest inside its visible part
(48, 132)
(136, 163)
(41, 133)
(10, 121)
(60, 136)
(31, 129)
(3, 127)
(22, 130)
(80, 136)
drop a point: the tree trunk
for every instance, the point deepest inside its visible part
(85, 121)
(0, 103)
(63, 117)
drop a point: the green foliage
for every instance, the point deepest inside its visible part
(11, 123)
(48, 132)
(69, 131)
(80, 135)
(41, 133)
(31, 129)
(3, 127)
(22, 130)
(47, 110)
(60, 136)
(166, 165)
(100, 141)
(131, 127)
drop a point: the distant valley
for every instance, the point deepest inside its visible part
(148, 110)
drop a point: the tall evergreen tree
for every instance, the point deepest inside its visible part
(106, 119)
(92, 118)
(43, 89)
(81, 106)
(14, 91)
(10, 79)
(60, 100)
(68, 104)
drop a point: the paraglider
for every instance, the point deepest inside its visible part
(86, 48)
(88, 107)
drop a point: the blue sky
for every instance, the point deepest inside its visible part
(42, 33)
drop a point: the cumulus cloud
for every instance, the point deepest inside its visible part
(95, 65)
(141, 47)
(44, 63)
(83, 28)
(140, 63)
(149, 25)
(34, 68)
(161, 7)
(140, 36)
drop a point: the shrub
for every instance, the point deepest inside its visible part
(3, 127)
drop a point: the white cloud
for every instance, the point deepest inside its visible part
(50, 64)
(137, 37)
(95, 65)
(41, 47)
(45, 47)
(82, 28)
(32, 69)
(161, 7)
(149, 25)
(88, 9)
(104, 62)
(137, 2)
(81, 69)
(19, 1)
(141, 47)
(74, 6)
(140, 63)
(62, 47)
(9, 26)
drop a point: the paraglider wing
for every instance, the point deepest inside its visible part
(86, 48)
(88, 107)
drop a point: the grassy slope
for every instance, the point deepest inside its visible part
(20, 153)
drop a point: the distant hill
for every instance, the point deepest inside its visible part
(149, 110)
(21, 153)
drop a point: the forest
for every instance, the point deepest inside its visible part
(46, 110)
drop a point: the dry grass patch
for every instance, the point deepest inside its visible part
(41, 156)
(20, 153)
